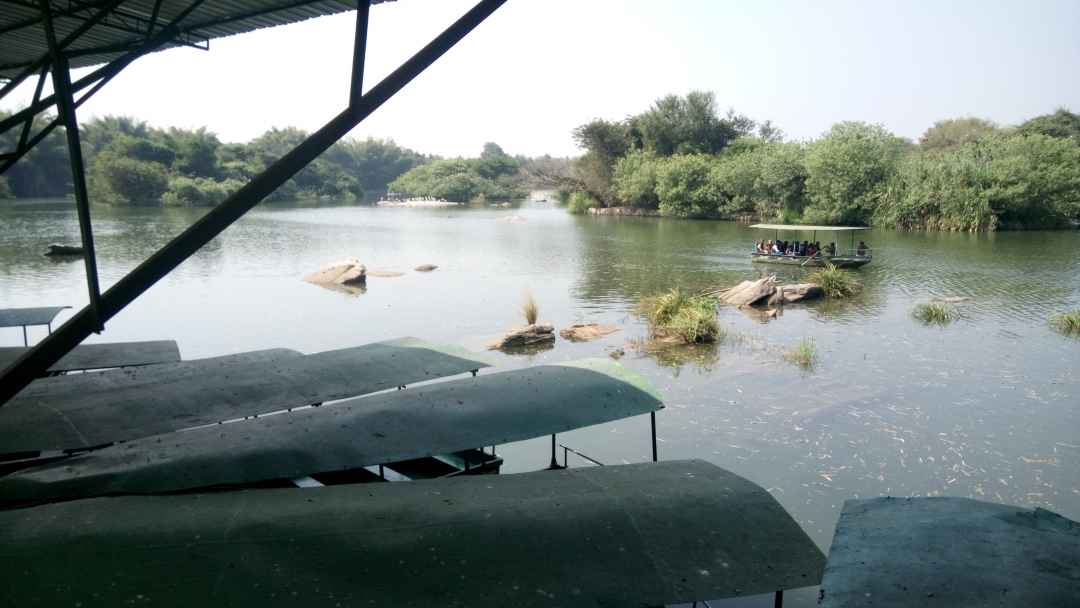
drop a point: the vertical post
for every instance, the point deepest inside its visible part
(554, 462)
(778, 602)
(66, 107)
(356, 90)
(25, 339)
(652, 423)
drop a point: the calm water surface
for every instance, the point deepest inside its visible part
(988, 407)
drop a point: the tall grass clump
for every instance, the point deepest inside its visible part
(803, 354)
(580, 203)
(836, 282)
(530, 309)
(687, 318)
(1067, 323)
(935, 313)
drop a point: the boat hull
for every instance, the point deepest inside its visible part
(838, 261)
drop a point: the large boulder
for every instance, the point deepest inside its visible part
(579, 332)
(749, 292)
(800, 291)
(345, 272)
(530, 335)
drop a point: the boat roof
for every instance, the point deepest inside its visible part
(15, 317)
(105, 354)
(808, 228)
(640, 534)
(438, 418)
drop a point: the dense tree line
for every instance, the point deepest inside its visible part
(493, 176)
(131, 163)
(683, 158)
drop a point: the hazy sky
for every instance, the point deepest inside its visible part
(538, 68)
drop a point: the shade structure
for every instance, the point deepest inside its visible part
(22, 33)
(109, 354)
(422, 421)
(631, 535)
(139, 403)
(23, 317)
(954, 552)
(807, 228)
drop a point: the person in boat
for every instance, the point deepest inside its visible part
(811, 250)
(805, 248)
(862, 248)
(830, 250)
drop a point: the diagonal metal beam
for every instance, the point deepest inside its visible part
(82, 324)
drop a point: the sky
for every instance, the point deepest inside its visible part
(538, 68)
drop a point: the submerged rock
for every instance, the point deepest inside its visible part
(801, 291)
(583, 332)
(425, 268)
(346, 272)
(528, 335)
(61, 250)
(385, 274)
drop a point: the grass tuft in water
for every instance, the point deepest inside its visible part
(530, 309)
(803, 354)
(1067, 323)
(935, 313)
(836, 282)
(687, 318)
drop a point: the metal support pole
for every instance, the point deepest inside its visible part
(47, 352)
(554, 463)
(25, 338)
(356, 90)
(652, 424)
(778, 602)
(66, 105)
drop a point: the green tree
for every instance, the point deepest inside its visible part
(1062, 123)
(120, 180)
(196, 152)
(684, 186)
(635, 180)
(956, 132)
(689, 125)
(848, 171)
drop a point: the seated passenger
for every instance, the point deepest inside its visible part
(830, 250)
(862, 248)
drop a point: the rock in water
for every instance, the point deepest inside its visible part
(55, 249)
(425, 268)
(345, 272)
(749, 292)
(801, 291)
(588, 331)
(525, 336)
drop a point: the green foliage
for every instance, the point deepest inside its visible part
(956, 132)
(847, 172)
(120, 180)
(835, 282)
(1067, 323)
(635, 180)
(579, 203)
(195, 152)
(934, 313)
(803, 354)
(5, 188)
(1015, 181)
(186, 191)
(1060, 124)
(688, 319)
(462, 180)
(688, 125)
(44, 171)
(684, 186)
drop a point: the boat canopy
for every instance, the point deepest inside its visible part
(802, 228)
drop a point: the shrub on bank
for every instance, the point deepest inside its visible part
(580, 203)
(198, 191)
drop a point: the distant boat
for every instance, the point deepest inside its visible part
(65, 250)
(853, 257)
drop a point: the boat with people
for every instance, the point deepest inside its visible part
(810, 252)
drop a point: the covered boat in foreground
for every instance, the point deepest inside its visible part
(851, 257)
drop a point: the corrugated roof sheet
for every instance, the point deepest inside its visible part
(22, 33)
(632, 535)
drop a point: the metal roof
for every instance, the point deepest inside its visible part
(108, 354)
(951, 552)
(421, 421)
(632, 535)
(22, 33)
(808, 228)
(17, 317)
(97, 409)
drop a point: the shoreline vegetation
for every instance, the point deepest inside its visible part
(681, 158)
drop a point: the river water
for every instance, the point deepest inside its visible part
(988, 407)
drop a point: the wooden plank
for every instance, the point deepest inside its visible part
(104, 355)
(436, 418)
(629, 535)
(200, 395)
